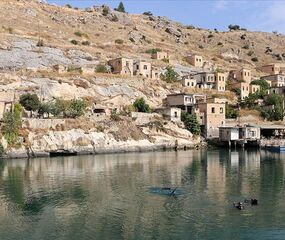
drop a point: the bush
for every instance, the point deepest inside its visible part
(101, 68)
(170, 75)
(85, 43)
(231, 112)
(105, 11)
(141, 106)
(250, 53)
(191, 123)
(2, 150)
(68, 6)
(246, 46)
(277, 111)
(74, 42)
(190, 27)
(220, 44)
(75, 108)
(254, 59)
(114, 115)
(12, 122)
(30, 102)
(114, 18)
(120, 8)
(119, 41)
(153, 50)
(148, 13)
(74, 69)
(233, 27)
(210, 36)
(80, 34)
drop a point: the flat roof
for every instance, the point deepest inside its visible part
(187, 94)
(269, 127)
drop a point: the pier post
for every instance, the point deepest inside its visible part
(230, 144)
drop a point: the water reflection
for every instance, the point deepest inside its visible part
(106, 197)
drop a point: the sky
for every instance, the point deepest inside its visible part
(255, 15)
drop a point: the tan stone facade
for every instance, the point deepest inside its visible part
(123, 66)
(142, 68)
(160, 55)
(220, 81)
(272, 69)
(195, 60)
(243, 74)
(7, 99)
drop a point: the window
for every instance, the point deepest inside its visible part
(175, 114)
(213, 110)
(188, 84)
(192, 84)
(145, 67)
(221, 110)
(219, 78)
(127, 64)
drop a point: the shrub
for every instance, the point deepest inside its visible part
(277, 112)
(246, 46)
(2, 150)
(220, 44)
(250, 53)
(101, 68)
(74, 69)
(254, 59)
(85, 43)
(114, 18)
(120, 8)
(12, 122)
(210, 36)
(74, 42)
(30, 102)
(191, 123)
(45, 108)
(68, 6)
(141, 106)
(105, 11)
(148, 13)
(231, 112)
(75, 108)
(190, 27)
(78, 34)
(114, 115)
(233, 27)
(153, 50)
(201, 47)
(170, 75)
(119, 41)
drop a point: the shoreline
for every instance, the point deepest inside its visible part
(19, 154)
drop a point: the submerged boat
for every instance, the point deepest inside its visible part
(166, 191)
(276, 148)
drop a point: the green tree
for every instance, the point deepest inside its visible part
(170, 75)
(264, 86)
(120, 8)
(100, 68)
(141, 106)
(250, 101)
(276, 112)
(191, 123)
(12, 122)
(30, 102)
(58, 107)
(45, 108)
(76, 108)
(2, 150)
(231, 112)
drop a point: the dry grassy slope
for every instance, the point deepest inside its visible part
(58, 24)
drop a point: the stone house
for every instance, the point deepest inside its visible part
(243, 74)
(160, 55)
(195, 60)
(277, 80)
(142, 68)
(155, 74)
(273, 69)
(220, 81)
(205, 80)
(212, 116)
(189, 81)
(244, 89)
(123, 66)
(253, 88)
(171, 113)
(7, 99)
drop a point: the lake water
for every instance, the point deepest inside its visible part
(108, 197)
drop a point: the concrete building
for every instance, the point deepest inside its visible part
(123, 66)
(189, 81)
(212, 116)
(142, 68)
(273, 68)
(243, 74)
(195, 60)
(253, 88)
(7, 99)
(155, 74)
(172, 113)
(205, 80)
(160, 55)
(184, 101)
(220, 81)
(277, 80)
(227, 134)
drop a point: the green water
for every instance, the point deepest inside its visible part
(107, 196)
